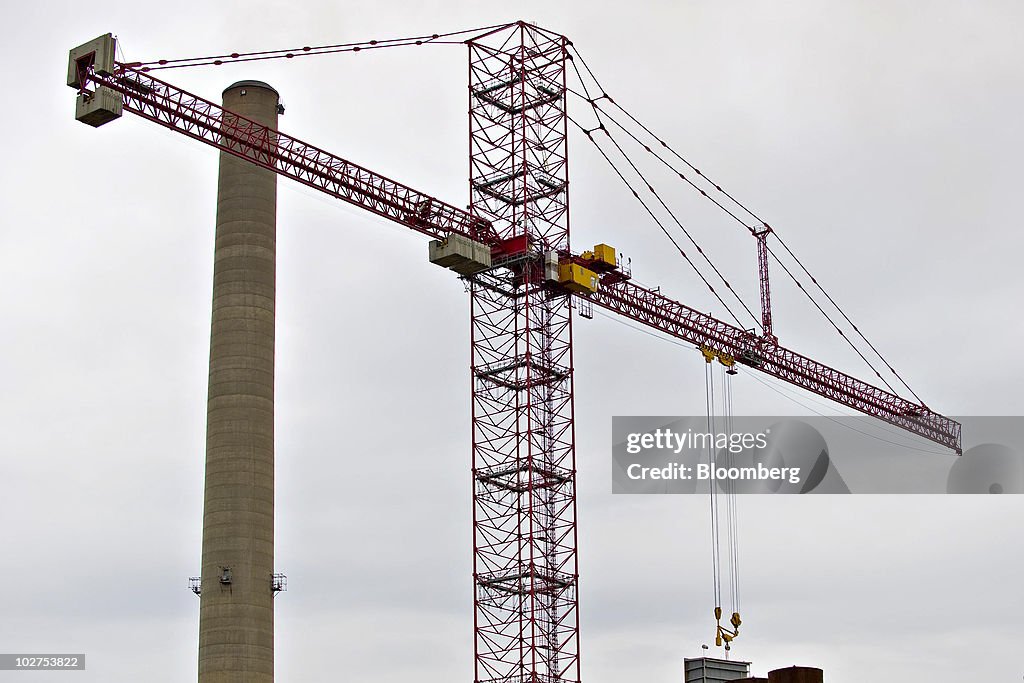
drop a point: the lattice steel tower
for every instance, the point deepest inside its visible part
(524, 498)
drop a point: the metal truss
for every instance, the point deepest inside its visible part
(766, 291)
(524, 497)
(207, 122)
(762, 353)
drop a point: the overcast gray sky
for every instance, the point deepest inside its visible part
(882, 139)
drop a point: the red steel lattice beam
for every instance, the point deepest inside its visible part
(207, 122)
(656, 310)
(766, 292)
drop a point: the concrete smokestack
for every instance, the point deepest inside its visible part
(236, 613)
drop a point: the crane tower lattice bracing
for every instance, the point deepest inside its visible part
(524, 490)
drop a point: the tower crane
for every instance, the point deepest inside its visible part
(512, 248)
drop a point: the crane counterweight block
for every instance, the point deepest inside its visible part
(460, 254)
(102, 104)
(96, 56)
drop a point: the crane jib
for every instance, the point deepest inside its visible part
(205, 121)
(652, 308)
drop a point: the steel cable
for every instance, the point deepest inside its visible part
(604, 95)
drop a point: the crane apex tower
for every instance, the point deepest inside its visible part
(236, 614)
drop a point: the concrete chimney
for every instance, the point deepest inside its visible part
(236, 613)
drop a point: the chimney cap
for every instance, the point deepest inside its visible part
(252, 84)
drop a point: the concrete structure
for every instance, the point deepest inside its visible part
(236, 613)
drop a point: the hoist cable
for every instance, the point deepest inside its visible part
(727, 429)
(679, 224)
(709, 391)
(799, 285)
(732, 510)
(604, 95)
(847, 318)
(594, 102)
(837, 328)
(658, 221)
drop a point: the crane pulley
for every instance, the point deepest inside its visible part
(725, 636)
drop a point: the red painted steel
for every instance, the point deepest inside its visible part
(766, 293)
(205, 121)
(652, 308)
(524, 498)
